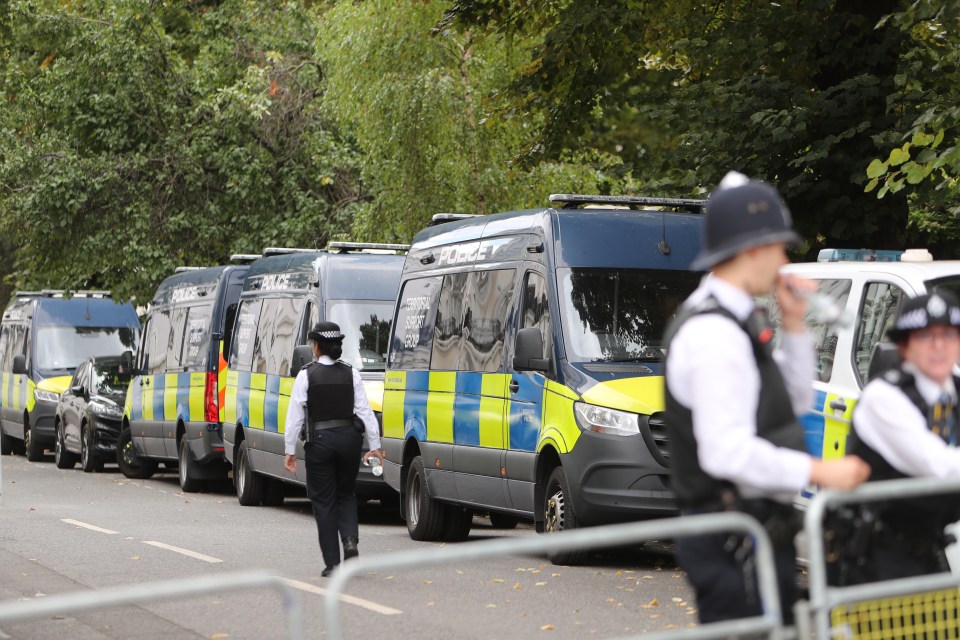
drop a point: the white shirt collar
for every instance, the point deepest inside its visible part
(737, 301)
(325, 359)
(930, 390)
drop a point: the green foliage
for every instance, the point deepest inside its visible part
(139, 136)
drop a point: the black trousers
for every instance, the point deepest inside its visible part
(333, 459)
(724, 590)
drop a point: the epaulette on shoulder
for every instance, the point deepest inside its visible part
(706, 305)
(346, 364)
(894, 376)
(307, 366)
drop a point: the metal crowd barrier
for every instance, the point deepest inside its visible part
(916, 607)
(151, 592)
(768, 624)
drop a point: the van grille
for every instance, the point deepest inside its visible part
(657, 424)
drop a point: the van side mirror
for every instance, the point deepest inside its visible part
(20, 364)
(302, 355)
(77, 390)
(528, 354)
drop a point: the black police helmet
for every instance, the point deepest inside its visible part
(928, 310)
(742, 214)
(326, 332)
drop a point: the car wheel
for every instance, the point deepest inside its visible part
(249, 484)
(6, 443)
(425, 516)
(61, 457)
(185, 468)
(129, 461)
(458, 522)
(559, 515)
(89, 461)
(503, 521)
(32, 445)
(272, 493)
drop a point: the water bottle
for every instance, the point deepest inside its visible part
(375, 467)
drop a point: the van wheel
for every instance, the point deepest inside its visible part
(61, 457)
(249, 484)
(186, 469)
(503, 521)
(31, 444)
(272, 493)
(425, 516)
(89, 461)
(458, 523)
(559, 516)
(130, 462)
(6, 443)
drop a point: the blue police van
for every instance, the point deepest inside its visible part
(44, 337)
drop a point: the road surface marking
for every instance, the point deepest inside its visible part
(186, 552)
(77, 523)
(360, 602)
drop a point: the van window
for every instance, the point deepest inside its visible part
(197, 340)
(485, 311)
(4, 332)
(881, 301)
(448, 331)
(178, 325)
(284, 337)
(366, 325)
(414, 328)
(264, 336)
(64, 348)
(157, 343)
(536, 310)
(241, 354)
(620, 315)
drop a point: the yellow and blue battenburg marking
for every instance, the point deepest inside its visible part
(170, 396)
(257, 400)
(16, 391)
(825, 431)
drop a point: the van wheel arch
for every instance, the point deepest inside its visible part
(547, 461)
(411, 450)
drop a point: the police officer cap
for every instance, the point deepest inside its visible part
(742, 214)
(326, 331)
(924, 311)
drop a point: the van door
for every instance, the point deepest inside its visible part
(146, 420)
(525, 412)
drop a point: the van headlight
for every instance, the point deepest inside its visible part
(590, 417)
(45, 396)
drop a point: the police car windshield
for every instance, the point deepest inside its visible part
(64, 348)
(620, 315)
(366, 325)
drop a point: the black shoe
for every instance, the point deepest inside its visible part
(350, 548)
(326, 572)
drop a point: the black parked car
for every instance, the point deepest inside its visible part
(89, 414)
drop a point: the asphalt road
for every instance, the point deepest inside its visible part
(64, 531)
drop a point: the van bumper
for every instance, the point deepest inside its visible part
(42, 423)
(616, 479)
(205, 440)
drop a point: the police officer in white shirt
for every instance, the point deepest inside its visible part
(906, 425)
(326, 396)
(732, 402)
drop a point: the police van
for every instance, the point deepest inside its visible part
(174, 403)
(525, 375)
(286, 292)
(44, 336)
(860, 294)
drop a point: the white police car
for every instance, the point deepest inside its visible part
(860, 294)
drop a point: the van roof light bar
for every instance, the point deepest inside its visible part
(344, 247)
(59, 293)
(28, 294)
(244, 258)
(279, 251)
(858, 255)
(185, 269)
(442, 218)
(574, 200)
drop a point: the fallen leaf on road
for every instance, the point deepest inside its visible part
(498, 580)
(490, 606)
(675, 599)
(540, 584)
(555, 575)
(134, 557)
(516, 585)
(546, 627)
(648, 577)
(428, 582)
(216, 636)
(651, 604)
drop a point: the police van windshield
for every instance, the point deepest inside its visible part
(366, 325)
(64, 348)
(620, 315)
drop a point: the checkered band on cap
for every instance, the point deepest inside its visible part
(330, 335)
(927, 310)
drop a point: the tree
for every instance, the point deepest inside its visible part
(795, 93)
(138, 136)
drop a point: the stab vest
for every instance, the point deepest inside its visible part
(920, 515)
(776, 421)
(329, 391)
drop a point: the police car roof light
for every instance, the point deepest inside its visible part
(442, 218)
(183, 269)
(244, 258)
(28, 294)
(279, 251)
(858, 255)
(345, 247)
(574, 200)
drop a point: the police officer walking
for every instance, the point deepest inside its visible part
(906, 425)
(732, 401)
(331, 393)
